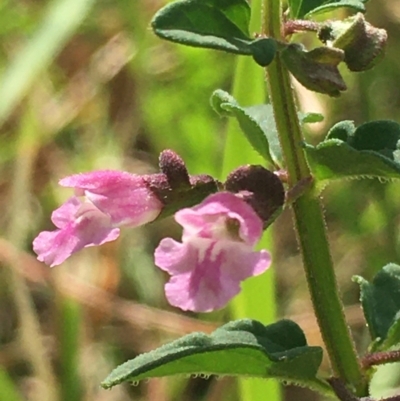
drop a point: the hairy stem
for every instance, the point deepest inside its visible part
(309, 220)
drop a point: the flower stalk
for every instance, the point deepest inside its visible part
(309, 220)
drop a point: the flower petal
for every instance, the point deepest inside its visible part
(207, 274)
(202, 219)
(66, 212)
(88, 227)
(125, 197)
(174, 257)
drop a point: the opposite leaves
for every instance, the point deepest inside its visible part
(243, 347)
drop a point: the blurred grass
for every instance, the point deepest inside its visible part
(86, 85)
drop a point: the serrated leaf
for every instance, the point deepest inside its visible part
(300, 9)
(381, 304)
(243, 347)
(334, 159)
(257, 123)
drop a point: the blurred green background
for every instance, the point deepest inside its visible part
(86, 85)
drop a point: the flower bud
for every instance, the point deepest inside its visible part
(362, 43)
(175, 188)
(174, 168)
(260, 188)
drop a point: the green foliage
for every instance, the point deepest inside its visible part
(368, 151)
(213, 24)
(257, 123)
(242, 347)
(381, 304)
(305, 8)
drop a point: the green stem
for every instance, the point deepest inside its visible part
(309, 220)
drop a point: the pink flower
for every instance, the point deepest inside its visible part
(215, 254)
(111, 199)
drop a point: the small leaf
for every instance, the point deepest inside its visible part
(334, 159)
(355, 5)
(300, 9)
(393, 336)
(310, 118)
(343, 130)
(263, 50)
(381, 303)
(370, 150)
(243, 347)
(381, 136)
(257, 123)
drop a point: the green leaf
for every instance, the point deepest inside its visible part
(343, 130)
(310, 118)
(355, 5)
(243, 347)
(299, 8)
(217, 24)
(393, 336)
(381, 304)
(381, 136)
(334, 159)
(305, 8)
(213, 24)
(370, 150)
(263, 50)
(257, 123)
